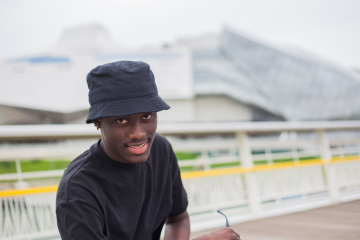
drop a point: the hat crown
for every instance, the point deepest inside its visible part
(120, 80)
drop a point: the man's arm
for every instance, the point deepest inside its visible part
(79, 221)
(178, 227)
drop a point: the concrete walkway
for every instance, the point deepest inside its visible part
(340, 222)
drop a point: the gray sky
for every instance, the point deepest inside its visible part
(327, 28)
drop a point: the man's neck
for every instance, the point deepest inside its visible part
(105, 148)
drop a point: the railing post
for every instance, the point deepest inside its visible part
(18, 171)
(252, 186)
(324, 146)
(245, 150)
(329, 169)
(20, 184)
(205, 160)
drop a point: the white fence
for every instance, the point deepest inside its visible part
(27, 217)
(243, 193)
(242, 196)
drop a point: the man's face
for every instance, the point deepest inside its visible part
(128, 139)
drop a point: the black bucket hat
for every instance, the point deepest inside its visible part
(122, 88)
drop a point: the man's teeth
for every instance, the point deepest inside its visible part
(137, 146)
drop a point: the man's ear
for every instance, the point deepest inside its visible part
(97, 123)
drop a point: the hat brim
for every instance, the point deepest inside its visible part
(125, 107)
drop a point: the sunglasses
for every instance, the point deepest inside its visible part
(227, 223)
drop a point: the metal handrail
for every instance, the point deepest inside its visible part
(67, 131)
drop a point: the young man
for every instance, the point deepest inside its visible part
(128, 184)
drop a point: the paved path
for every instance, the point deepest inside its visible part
(340, 222)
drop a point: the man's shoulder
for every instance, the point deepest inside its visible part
(77, 163)
(71, 174)
(161, 139)
(161, 152)
(161, 143)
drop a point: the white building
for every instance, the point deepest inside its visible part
(223, 77)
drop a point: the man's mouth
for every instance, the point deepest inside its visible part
(138, 148)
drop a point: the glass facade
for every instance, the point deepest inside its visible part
(293, 86)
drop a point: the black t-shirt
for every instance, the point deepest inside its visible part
(100, 198)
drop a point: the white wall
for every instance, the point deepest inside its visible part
(213, 108)
(61, 86)
(220, 108)
(182, 110)
(206, 109)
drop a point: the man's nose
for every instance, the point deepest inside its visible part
(137, 132)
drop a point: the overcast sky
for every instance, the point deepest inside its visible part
(327, 28)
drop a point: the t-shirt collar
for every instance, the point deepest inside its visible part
(109, 162)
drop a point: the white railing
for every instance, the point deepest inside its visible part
(259, 193)
(26, 217)
(243, 193)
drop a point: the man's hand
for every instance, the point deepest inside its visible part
(220, 234)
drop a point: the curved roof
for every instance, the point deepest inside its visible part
(296, 87)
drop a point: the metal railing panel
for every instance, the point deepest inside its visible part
(208, 194)
(280, 184)
(348, 174)
(27, 216)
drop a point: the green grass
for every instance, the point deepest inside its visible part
(222, 165)
(187, 169)
(7, 167)
(309, 158)
(33, 165)
(283, 160)
(186, 156)
(43, 165)
(181, 156)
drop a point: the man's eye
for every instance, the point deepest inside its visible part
(147, 116)
(122, 121)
